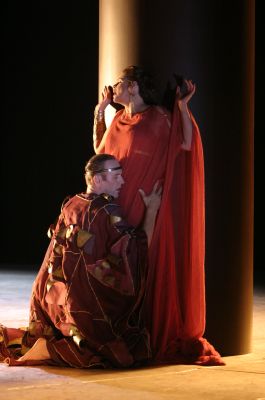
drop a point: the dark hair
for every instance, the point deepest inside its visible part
(145, 82)
(95, 165)
(169, 95)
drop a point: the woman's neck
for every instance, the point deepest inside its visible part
(135, 106)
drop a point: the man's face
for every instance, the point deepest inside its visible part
(112, 179)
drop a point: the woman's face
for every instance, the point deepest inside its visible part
(121, 94)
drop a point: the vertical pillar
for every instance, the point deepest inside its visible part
(211, 43)
(118, 37)
(118, 41)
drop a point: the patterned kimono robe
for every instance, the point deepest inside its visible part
(87, 297)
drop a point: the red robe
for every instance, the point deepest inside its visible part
(87, 297)
(148, 146)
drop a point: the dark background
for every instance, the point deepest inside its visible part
(50, 90)
(50, 79)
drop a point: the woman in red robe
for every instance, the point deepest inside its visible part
(154, 144)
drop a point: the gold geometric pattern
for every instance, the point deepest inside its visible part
(69, 231)
(58, 273)
(98, 273)
(83, 237)
(49, 284)
(107, 196)
(73, 330)
(48, 331)
(105, 264)
(50, 268)
(77, 337)
(114, 259)
(50, 232)
(114, 219)
(62, 233)
(58, 248)
(32, 328)
(15, 341)
(109, 280)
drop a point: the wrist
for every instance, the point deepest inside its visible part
(99, 113)
(183, 107)
(152, 210)
(100, 107)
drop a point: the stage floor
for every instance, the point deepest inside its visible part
(243, 377)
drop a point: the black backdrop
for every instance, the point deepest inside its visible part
(50, 81)
(50, 78)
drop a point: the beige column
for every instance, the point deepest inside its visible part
(118, 41)
(213, 44)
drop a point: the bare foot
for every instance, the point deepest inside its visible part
(38, 351)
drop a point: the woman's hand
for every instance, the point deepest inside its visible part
(153, 200)
(106, 98)
(184, 97)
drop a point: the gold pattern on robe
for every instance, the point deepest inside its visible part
(57, 273)
(62, 233)
(32, 328)
(73, 330)
(58, 249)
(79, 340)
(48, 331)
(98, 273)
(105, 264)
(50, 231)
(50, 268)
(83, 237)
(15, 341)
(107, 196)
(49, 284)
(114, 259)
(114, 219)
(69, 231)
(109, 280)
(77, 337)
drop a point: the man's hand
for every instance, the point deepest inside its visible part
(153, 200)
(152, 203)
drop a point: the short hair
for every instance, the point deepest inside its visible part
(95, 165)
(145, 82)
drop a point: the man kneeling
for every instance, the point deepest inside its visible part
(86, 300)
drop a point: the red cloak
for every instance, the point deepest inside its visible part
(148, 146)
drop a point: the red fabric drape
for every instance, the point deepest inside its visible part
(148, 146)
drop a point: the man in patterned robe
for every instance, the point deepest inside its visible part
(86, 300)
